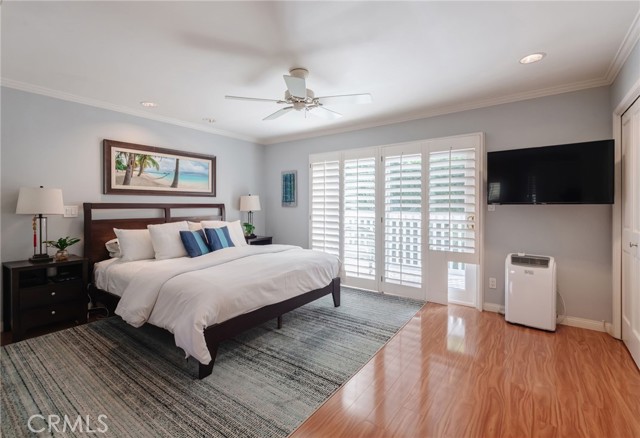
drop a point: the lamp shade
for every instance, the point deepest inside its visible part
(250, 203)
(33, 200)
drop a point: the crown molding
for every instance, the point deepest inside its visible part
(416, 115)
(36, 89)
(628, 43)
(439, 111)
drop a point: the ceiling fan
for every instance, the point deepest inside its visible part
(300, 98)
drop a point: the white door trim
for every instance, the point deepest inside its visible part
(627, 100)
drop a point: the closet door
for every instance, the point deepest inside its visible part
(631, 230)
(402, 219)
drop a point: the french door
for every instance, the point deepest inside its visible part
(402, 189)
(405, 219)
(455, 238)
(631, 230)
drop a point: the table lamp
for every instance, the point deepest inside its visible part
(38, 202)
(250, 203)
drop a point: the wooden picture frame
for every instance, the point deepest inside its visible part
(133, 169)
(289, 188)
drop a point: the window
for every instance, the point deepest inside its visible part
(452, 200)
(325, 206)
(359, 217)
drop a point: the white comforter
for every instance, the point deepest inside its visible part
(185, 295)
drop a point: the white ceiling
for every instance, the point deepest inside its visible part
(415, 58)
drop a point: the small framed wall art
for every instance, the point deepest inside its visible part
(290, 188)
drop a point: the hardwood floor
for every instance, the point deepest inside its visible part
(453, 371)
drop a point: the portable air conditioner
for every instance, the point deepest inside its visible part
(530, 289)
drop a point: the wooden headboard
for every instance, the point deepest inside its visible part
(99, 231)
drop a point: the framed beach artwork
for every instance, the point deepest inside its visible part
(289, 188)
(133, 169)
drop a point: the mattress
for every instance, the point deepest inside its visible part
(114, 275)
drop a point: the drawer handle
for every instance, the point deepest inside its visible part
(53, 294)
(53, 312)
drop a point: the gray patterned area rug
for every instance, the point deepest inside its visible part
(135, 382)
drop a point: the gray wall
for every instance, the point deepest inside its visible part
(627, 77)
(55, 143)
(578, 236)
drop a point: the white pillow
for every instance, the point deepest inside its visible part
(166, 240)
(194, 226)
(113, 246)
(235, 230)
(134, 244)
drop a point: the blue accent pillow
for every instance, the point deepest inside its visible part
(218, 238)
(195, 243)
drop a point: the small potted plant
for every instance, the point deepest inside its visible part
(248, 230)
(62, 244)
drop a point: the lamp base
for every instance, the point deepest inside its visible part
(41, 258)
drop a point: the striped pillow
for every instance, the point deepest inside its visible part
(218, 238)
(194, 242)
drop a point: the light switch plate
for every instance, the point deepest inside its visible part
(491, 207)
(70, 211)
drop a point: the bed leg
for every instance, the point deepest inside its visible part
(206, 370)
(279, 322)
(336, 292)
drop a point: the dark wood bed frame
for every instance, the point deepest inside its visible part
(98, 231)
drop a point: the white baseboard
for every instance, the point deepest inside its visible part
(589, 324)
(491, 307)
(572, 321)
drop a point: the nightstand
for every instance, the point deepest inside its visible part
(260, 240)
(37, 295)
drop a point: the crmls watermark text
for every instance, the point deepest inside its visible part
(55, 423)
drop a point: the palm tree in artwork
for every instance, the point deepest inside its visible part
(121, 160)
(131, 162)
(145, 161)
(176, 174)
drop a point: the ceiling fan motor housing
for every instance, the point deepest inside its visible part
(299, 103)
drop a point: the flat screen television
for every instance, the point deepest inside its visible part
(578, 173)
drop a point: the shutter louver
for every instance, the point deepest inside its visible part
(452, 201)
(359, 217)
(403, 220)
(325, 206)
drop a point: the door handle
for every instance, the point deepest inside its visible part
(633, 245)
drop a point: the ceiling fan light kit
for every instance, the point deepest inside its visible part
(300, 98)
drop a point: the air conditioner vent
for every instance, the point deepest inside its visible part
(529, 260)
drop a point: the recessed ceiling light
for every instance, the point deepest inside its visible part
(209, 119)
(534, 57)
(149, 104)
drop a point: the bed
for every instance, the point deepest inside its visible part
(101, 218)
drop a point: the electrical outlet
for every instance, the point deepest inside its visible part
(492, 283)
(70, 211)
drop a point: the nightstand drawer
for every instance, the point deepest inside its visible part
(48, 294)
(55, 313)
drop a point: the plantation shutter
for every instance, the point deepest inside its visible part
(325, 206)
(403, 217)
(454, 201)
(359, 218)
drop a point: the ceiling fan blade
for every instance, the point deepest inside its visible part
(296, 86)
(279, 113)
(255, 99)
(325, 113)
(345, 98)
